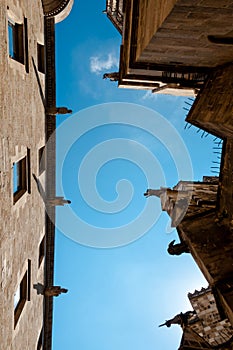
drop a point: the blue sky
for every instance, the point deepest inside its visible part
(116, 144)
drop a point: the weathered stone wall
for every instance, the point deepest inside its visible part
(22, 224)
(213, 108)
(189, 199)
(209, 324)
(211, 246)
(152, 14)
(182, 38)
(204, 223)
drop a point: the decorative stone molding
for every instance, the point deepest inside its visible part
(53, 8)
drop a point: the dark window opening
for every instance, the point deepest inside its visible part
(40, 340)
(25, 38)
(41, 251)
(20, 297)
(41, 58)
(19, 178)
(16, 41)
(28, 170)
(41, 160)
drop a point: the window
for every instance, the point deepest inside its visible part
(40, 58)
(22, 293)
(11, 39)
(16, 41)
(40, 340)
(41, 251)
(20, 297)
(41, 160)
(19, 178)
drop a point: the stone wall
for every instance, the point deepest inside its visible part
(152, 14)
(209, 324)
(213, 108)
(22, 132)
(189, 199)
(176, 32)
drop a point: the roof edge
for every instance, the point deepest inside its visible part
(59, 9)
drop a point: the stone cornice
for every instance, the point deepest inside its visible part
(52, 8)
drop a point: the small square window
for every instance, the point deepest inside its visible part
(19, 178)
(41, 58)
(41, 251)
(20, 297)
(16, 41)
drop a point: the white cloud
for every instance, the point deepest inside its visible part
(149, 96)
(100, 64)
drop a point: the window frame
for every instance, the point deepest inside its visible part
(20, 177)
(18, 41)
(23, 295)
(41, 58)
(41, 251)
(16, 46)
(40, 340)
(41, 159)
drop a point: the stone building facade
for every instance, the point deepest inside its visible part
(26, 230)
(171, 46)
(114, 11)
(202, 215)
(203, 327)
(178, 46)
(207, 322)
